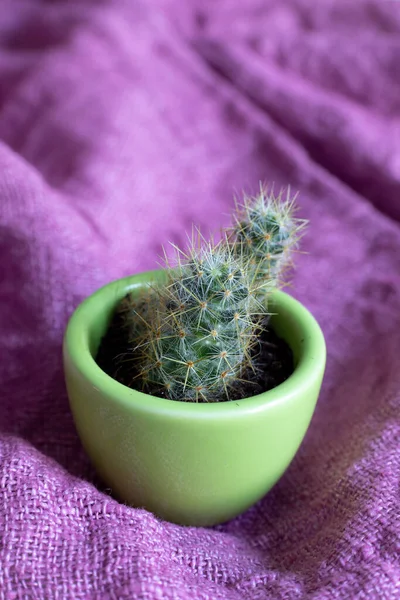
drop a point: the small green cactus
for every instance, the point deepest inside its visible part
(198, 340)
(264, 234)
(197, 337)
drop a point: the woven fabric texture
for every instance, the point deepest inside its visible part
(121, 124)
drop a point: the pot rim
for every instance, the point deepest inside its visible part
(310, 365)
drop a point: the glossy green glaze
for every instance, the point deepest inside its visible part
(195, 464)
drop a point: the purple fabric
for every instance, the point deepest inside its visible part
(121, 123)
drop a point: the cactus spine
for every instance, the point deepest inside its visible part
(198, 341)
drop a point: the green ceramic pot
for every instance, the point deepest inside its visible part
(194, 464)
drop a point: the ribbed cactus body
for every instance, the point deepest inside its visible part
(264, 234)
(199, 339)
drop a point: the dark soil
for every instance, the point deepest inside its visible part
(275, 359)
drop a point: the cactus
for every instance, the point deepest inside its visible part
(197, 337)
(199, 340)
(264, 234)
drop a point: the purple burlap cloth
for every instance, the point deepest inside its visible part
(121, 124)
